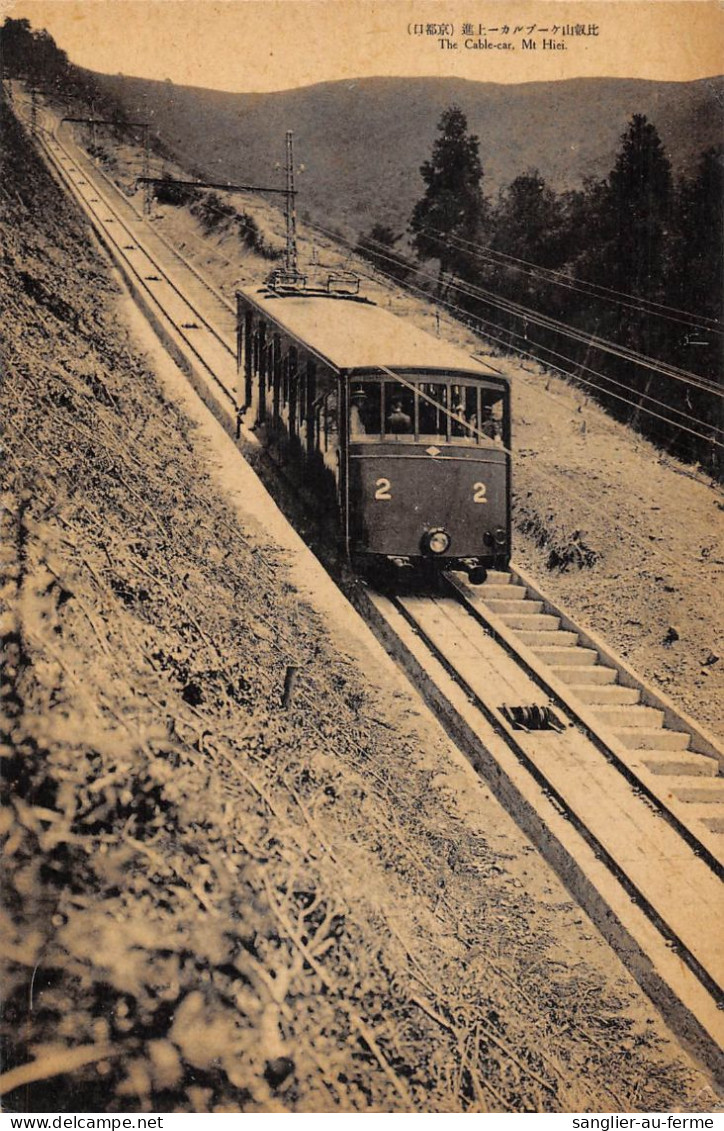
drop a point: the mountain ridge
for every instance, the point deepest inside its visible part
(568, 129)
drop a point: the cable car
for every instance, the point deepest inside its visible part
(402, 438)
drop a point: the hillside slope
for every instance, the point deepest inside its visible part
(629, 540)
(362, 143)
(210, 903)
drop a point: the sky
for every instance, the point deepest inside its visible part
(266, 45)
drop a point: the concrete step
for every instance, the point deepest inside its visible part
(499, 577)
(561, 657)
(508, 592)
(496, 605)
(631, 716)
(558, 639)
(593, 674)
(710, 815)
(709, 791)
(530, 621)
(682, 763)
(642, 738)
(605, 694)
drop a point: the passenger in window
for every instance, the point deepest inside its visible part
(459, 423)
(489, 424)
(398, 420)
(357, 410)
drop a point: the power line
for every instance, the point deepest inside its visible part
(527, 314)
(636, 405)
(538, 274)
(602, 344)
(579, 284)
(626, 400)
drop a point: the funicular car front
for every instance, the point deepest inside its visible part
(429, 469)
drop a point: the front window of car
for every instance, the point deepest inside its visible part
(430, 412)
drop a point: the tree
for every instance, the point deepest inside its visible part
(528, 221)
(16, 45)
(453, 202)
(30, 54)
(640, 180)
(637, 211)
(696, 281)
(378, 246)
(699, 277)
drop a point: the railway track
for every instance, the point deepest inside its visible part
(621, 792)
(192, 316)
(624, 798)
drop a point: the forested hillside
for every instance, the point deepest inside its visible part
(618, 284)
(361, 143)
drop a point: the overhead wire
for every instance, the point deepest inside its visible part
(637, 406)
(645, 305)
(538, 274)
(582, 367)
(482, 294)
(525, 312)
(521, 311)
(634, 404)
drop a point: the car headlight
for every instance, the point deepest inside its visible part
(437, 541)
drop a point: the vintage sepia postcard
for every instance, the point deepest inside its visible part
(361, 560)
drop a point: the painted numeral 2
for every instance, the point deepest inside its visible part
(383, 489)
(479, 490)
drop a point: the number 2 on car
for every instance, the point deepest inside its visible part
(479, 493)
(383, 489)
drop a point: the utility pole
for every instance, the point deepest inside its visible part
(146, 174)
(290, 259)
(33, 111)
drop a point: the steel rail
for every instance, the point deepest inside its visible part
(497, 720)
(163, 273)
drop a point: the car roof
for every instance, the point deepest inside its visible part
(352, 333)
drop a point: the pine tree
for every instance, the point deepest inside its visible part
(453, 203)
(699, 280)
(696, 281)
(638, 202)
(528, 225)
(528, 221)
